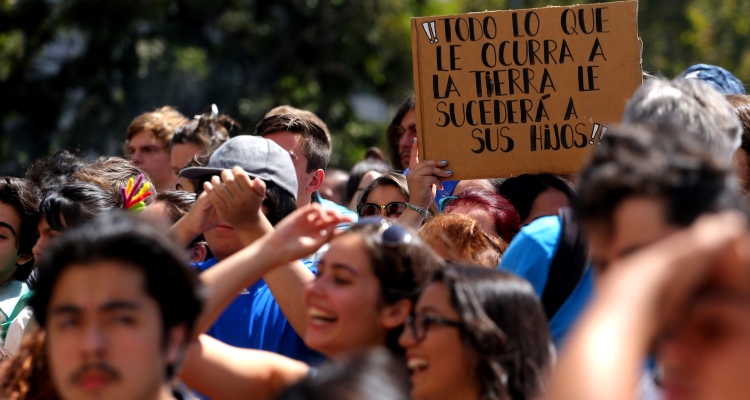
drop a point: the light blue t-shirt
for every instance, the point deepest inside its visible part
(255, 321)
(530, 256)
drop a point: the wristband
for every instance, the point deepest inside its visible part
(420, 210)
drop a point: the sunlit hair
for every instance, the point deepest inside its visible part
(461, 239)
(207, 131)
(401, 271)
(73, 204)
(111, 174)
(504, 328)
(26, 375)
(160, 122)
(504, 216)
(701, 110)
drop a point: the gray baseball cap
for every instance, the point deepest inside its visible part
(259, 157)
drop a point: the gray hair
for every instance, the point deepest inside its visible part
(700, 109)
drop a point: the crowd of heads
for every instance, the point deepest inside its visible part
(119, 277)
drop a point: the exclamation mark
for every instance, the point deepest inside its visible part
(601, 135)
(429, 29)
(593, 134)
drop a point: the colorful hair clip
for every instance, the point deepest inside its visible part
(132, 197)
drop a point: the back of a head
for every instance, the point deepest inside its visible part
(208, 131)
(316, 146)
(634, 161)
(120, 237)
(160, 122)
(75, 203)
(111, 174)
(177, 203)
(460, 238)
(505, 218)
(522, 190)
(505, 326)
(51, 172)
(375, 375)
(702, 111)
(741, 104)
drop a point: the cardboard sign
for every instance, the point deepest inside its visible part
(504, 93)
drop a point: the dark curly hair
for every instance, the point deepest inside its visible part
(633, 160)
(505, 328)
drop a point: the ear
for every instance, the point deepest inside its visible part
(177, 343)
(198, 253)
(24, 258)
(394, 315)
(316, 180)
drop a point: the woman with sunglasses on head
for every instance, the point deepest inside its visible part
(367, 283)
(477, 334)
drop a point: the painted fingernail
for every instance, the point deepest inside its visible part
(448, 172)
(443, 162)
(414, 140)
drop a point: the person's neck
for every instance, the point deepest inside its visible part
(6, 275)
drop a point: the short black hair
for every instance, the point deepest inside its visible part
(118, 236)
(54, 171)
(522, 190)
(24, 196)
(316, 147)
(634, 160)
(73, 204)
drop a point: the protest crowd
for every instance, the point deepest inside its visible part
(216, 261)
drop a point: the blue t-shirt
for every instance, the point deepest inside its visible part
(255, 321)
(329, 205)
(530, 256)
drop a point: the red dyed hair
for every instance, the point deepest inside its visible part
(507, 220)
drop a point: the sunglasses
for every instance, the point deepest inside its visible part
(390, 210)
(396, 132)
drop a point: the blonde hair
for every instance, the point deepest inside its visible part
(161, 123)
(460, 238)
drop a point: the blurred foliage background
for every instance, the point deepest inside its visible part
(73, 73)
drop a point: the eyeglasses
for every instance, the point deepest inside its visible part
(445, 202)
(419, 324)
(395, 133)
(393, 209)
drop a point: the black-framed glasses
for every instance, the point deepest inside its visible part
(419, 324)
(395, 133)
(393, 209)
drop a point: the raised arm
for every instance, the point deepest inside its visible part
(423, 180)
(637, 298)
(224, 372)
(238, 199)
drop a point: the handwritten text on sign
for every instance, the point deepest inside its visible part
(510, 92)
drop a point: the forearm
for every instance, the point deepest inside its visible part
(411, 218)
(287, 285)
(181, 233)
(223, 372)
(604, 357)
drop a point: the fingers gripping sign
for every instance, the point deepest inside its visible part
(424, 178)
